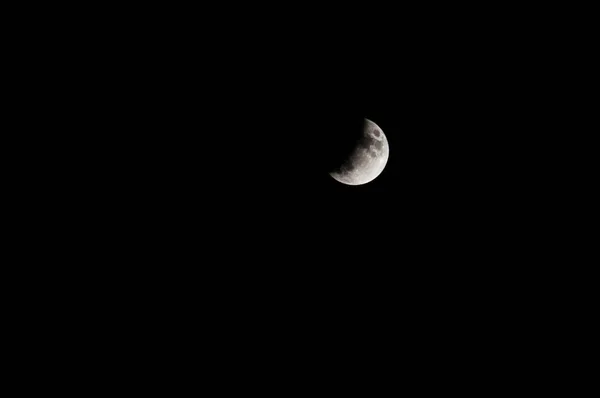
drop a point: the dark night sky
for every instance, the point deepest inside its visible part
(192, 199)
(210, 200)
(237, 137)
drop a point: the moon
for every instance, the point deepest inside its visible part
(368, 158)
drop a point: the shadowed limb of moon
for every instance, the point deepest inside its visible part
(368, 158)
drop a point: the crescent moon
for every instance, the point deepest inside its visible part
(368, 158)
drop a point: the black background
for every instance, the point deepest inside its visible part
(183, 207)
(214, 147)
(194, 199)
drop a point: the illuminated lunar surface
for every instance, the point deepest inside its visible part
(368, 158)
